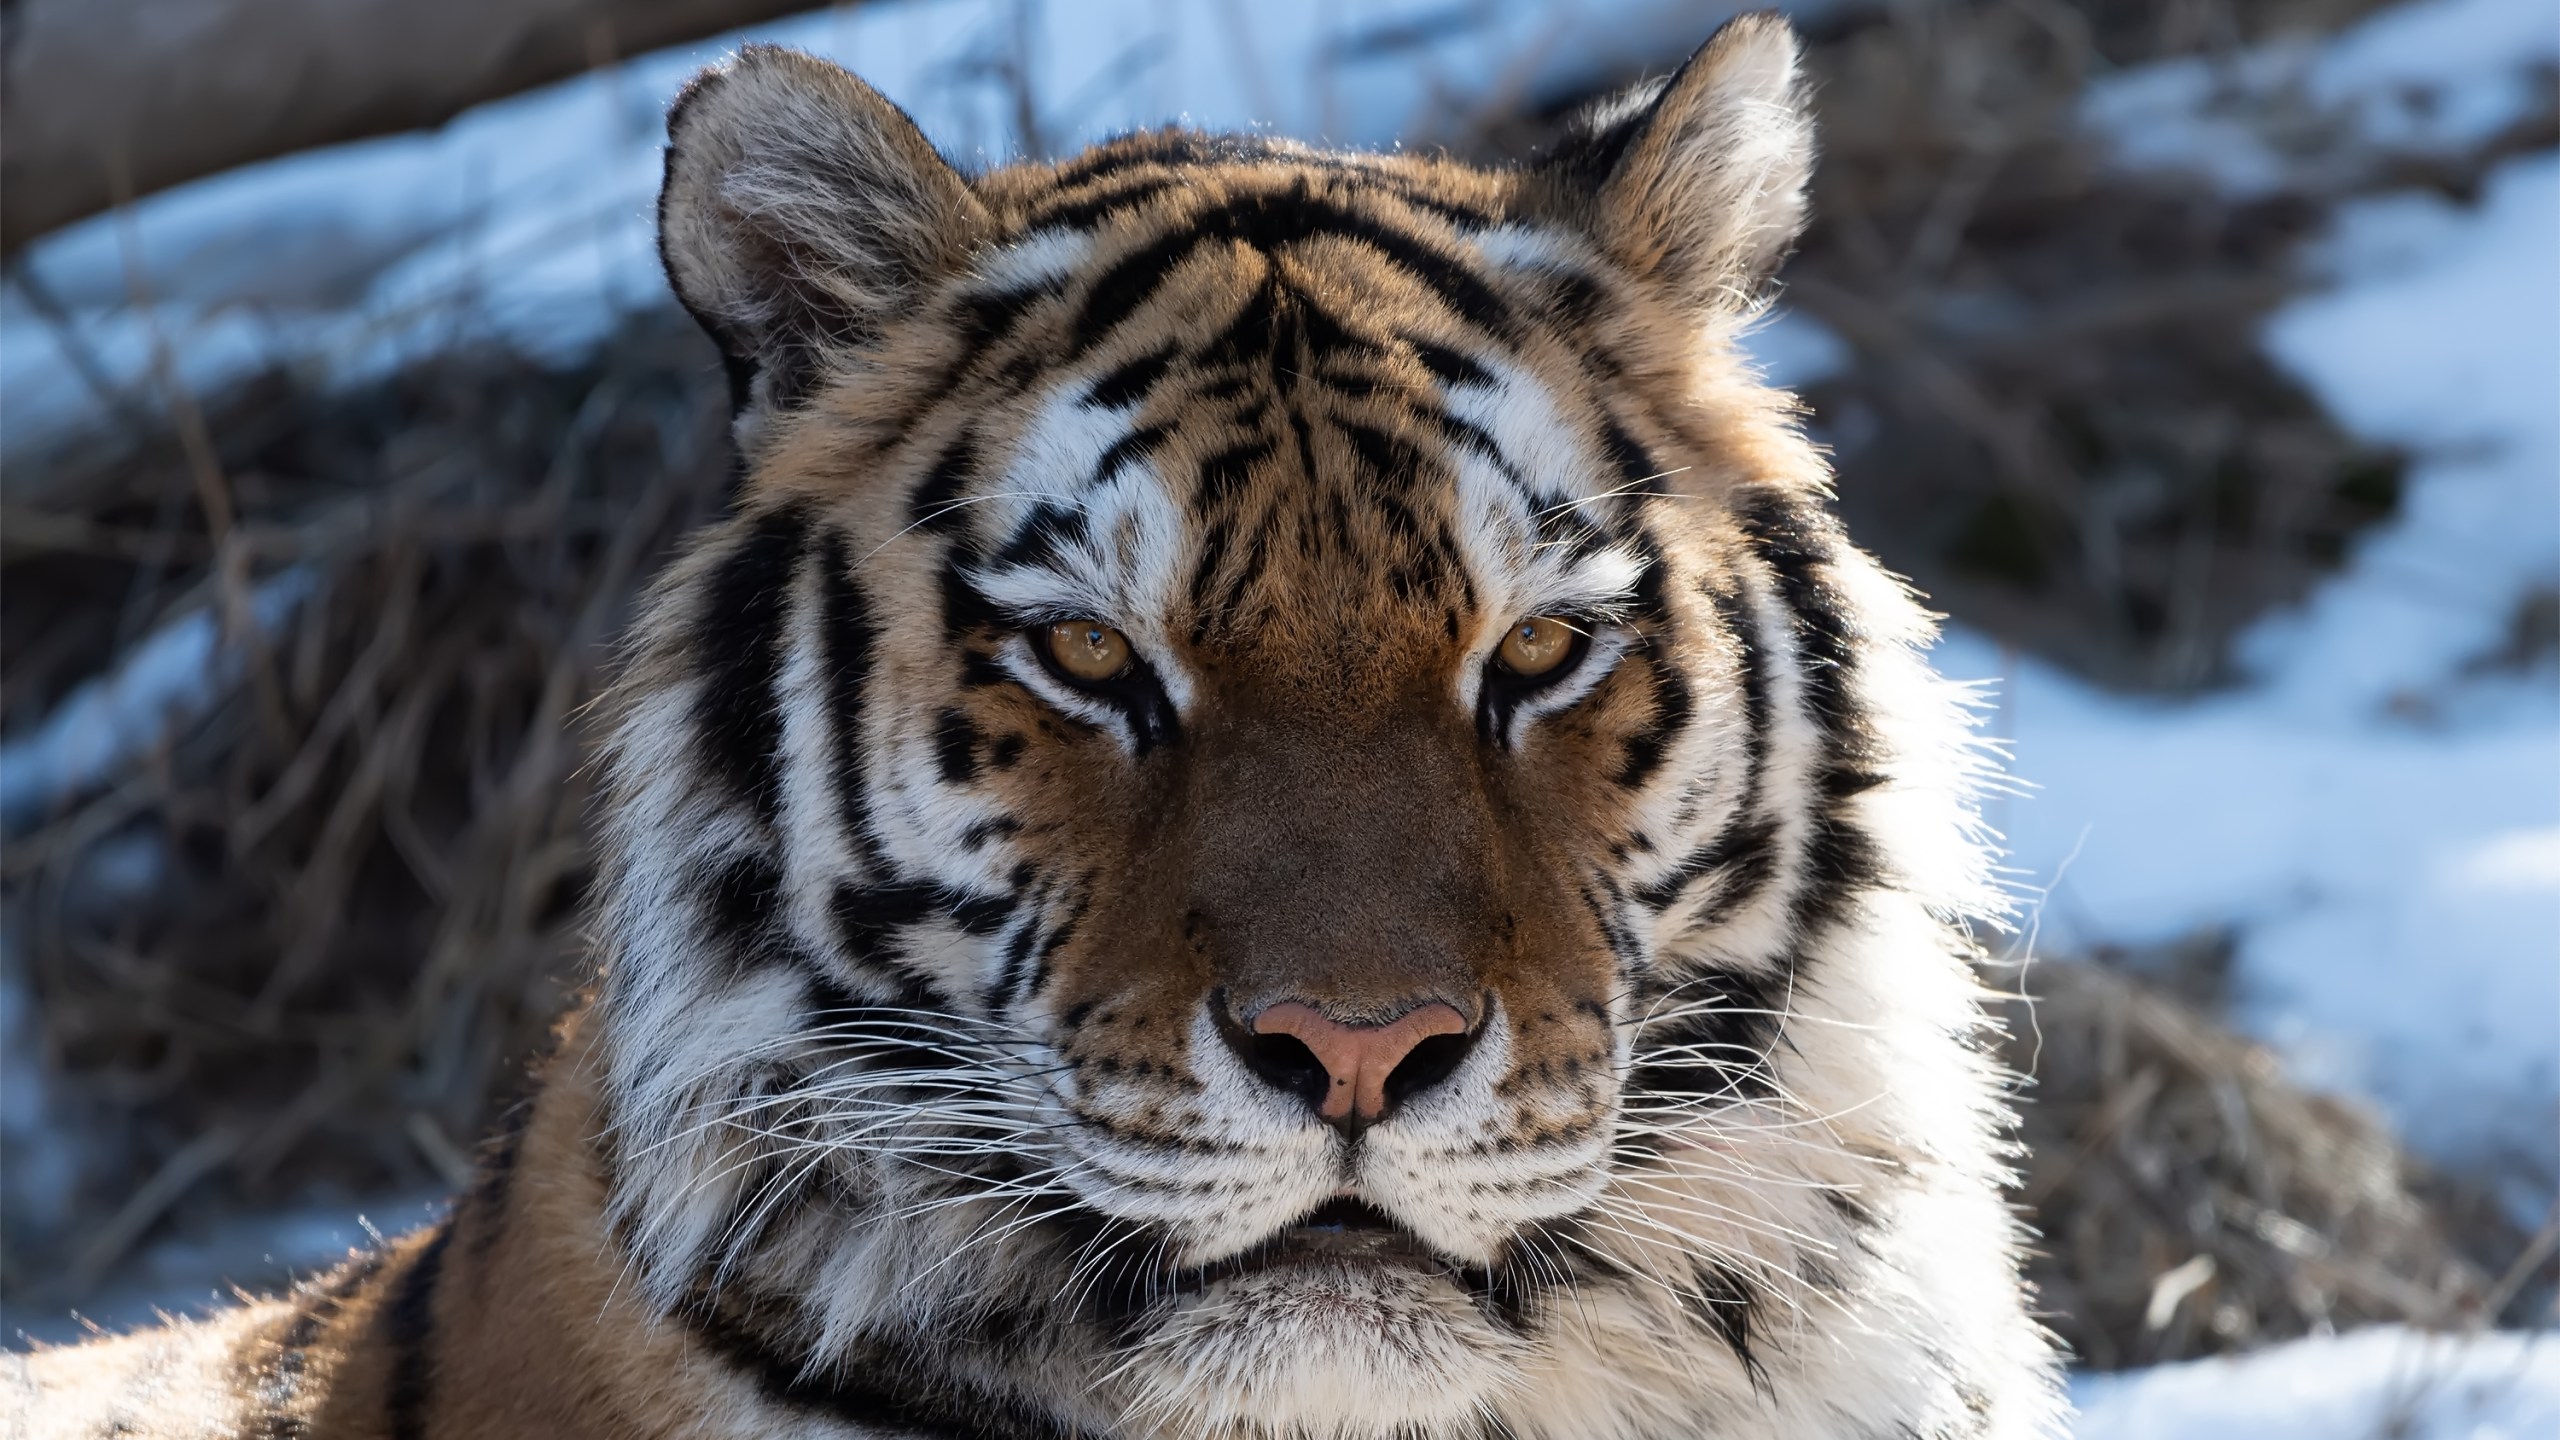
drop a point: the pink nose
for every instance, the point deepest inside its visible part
(1359, 1058)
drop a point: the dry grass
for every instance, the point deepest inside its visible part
(310, 943)
(2061, 423)
(2192, 1201)
(361, 876)
(305, 947)
(2057, 417)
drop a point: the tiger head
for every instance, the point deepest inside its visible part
(1278, 810)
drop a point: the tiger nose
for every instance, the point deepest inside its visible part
(1352, 1073)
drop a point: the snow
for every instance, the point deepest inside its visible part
(196, 1271)
(529, 220)
(168, 680)
(2384, 1383)
(44, 1159)
(2431, 77)
(2374, 815)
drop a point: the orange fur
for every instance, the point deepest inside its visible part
(924, 1094)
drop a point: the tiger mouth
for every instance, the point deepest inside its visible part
(1340, 1233)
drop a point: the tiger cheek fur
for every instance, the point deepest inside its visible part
(1279, 813)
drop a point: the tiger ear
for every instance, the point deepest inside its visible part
(801, 212)
(1698, 182)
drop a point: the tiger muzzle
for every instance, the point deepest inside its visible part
(1343, 891)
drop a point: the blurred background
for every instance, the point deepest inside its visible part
(2199, 358)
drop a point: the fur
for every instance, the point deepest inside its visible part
(918, 1096)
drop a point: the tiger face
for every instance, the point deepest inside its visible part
(1270, 816)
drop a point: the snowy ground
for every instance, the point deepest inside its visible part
(2375, 815)
(2379, 1384)
(529, 218)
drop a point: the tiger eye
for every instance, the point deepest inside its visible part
(1535, 646)
(1088, 650)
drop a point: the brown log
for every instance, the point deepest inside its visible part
(111, 99)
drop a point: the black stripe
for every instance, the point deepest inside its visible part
(869, 919)
(1608, 909)
(1634, 464)
(1204, 573)
(1393, 460)
(1744, 850)
(896, 1390)
(1444, 546)
(1126, 451)
(1743, 855)
(1645, 749)
(1743, 858)
(1089, 210)
(1506, 1294)
(1730, 1045)
(742, 898)
(1018, 949)
(1449, 366)
(1838, 860)
(1467, 436)
(1458, 213)
(1130, 382)
(408, 1326)
(849, 635)
(1118, 292)
(1563, 528)
(1733, 608)
(1798, 542)
(1251, 338)
(1271, 221)
(1043, 536)
(934, 507)
(1328, 339)
(1801, 542)
(740, 642)
(966, 610)
(1257, 556)
(1728, 1305)
(985, 316)
(889, 1035)
(1023, 987)
(1225, 473)
(955, 747)
(1402, 523)
(1574, 299)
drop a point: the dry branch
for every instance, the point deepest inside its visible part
(107, 100)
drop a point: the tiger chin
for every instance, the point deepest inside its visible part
(1279, 812)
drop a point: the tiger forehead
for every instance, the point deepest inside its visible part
(1166, 174)
(1288, 407)
(1171, 228)
(1290, 465)
(1307, 376)
(1296, 477)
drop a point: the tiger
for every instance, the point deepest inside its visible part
(1277, 811)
